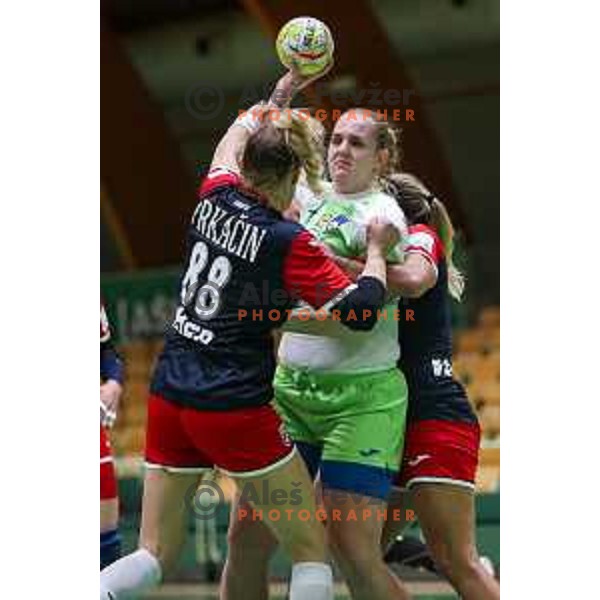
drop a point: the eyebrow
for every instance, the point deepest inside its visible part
(350, 136)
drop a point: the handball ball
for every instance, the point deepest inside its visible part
(307, 42)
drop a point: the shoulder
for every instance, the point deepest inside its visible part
(218, 177)
(285, 232)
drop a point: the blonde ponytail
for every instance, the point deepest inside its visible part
(302, 138)
(440, 221)
(421, 206)
(280, 146)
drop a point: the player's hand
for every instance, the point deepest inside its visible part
(382, 236)
(293, 82)
(352, 267)
(110, 395)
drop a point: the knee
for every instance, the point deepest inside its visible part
(457, 564)
(358, 552)
(246, 538)
(166, 551)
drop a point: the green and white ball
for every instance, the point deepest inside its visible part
(307, 42)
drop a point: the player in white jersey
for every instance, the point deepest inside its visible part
(341, 397)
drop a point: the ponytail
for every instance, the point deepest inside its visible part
(421, 206)
(303, 139)
(440, 221)
(281, 145)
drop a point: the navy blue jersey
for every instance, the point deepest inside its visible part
(426, 342)
(246, 268)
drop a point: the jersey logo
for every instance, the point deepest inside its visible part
(338, 221)
(441, 367)
(285, 438)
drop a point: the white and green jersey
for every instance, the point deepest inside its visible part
(340, 221)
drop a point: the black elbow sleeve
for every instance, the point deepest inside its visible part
(358, 310)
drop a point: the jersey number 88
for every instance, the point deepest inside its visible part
(205, 298)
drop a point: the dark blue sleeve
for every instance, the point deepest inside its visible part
(111, 365)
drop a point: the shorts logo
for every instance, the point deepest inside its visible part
(285, 437)
(418, 460)
(366, 452)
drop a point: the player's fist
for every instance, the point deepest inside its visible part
(382, 236)
(293, 82)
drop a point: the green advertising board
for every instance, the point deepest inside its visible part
(140, 305)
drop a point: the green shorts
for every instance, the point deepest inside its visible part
(351, 427)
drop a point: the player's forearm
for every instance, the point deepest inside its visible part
(352, 267)
(375, 266)
(407, 280)
(230, 146)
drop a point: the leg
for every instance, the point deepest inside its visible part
(447, 517)
(398, 547)
(274, 480)
(110, 540)
(289, 510)
(354, 525)
(109, 514)
(392, 528)
(164, 509)
(251, 544)
(293, 516)
(361, 451)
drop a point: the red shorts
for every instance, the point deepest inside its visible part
(437, 451)
(247, 441)
(108, 481)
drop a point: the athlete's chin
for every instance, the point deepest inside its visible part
(342, 179)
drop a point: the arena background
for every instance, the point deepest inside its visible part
(174, 74)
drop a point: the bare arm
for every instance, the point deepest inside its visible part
(291, 83)
(411, 279)
(229, 148)
(227, 151)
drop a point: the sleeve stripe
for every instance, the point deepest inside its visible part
(424, 253)
(218, 177)
(339, 297)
